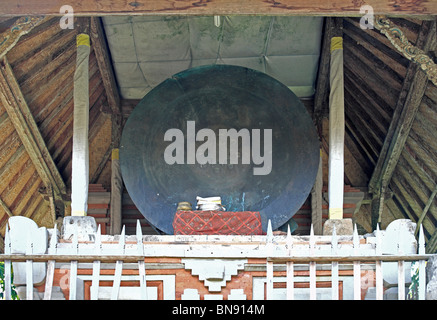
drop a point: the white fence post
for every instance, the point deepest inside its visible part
(51, 265)
(422, 270)
(73, 264)
(141, 263)
(29, 267)
(118, 267)
(290, 267)
(401, 273)
(357, 268)
(8, 264)
(269, 266)
(334, 267)
(312, 266)
(378, 266)
(96, 266)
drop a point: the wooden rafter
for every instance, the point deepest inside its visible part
(109, 82)
(333, 28)
(322, 84)
(98, 42)
(21, 117)
(406, 109)
(218, 7)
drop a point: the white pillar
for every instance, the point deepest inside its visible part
(336, 131)
(80, 161)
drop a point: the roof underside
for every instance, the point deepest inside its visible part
(147, 50)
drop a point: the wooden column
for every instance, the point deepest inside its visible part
(116, 194)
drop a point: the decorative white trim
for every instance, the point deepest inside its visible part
(215, 272)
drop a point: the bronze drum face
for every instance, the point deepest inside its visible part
(220, 97)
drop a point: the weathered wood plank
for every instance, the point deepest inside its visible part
(219, 7)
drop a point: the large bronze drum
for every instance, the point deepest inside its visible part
(178, 143)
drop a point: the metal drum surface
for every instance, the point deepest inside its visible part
(220, 97)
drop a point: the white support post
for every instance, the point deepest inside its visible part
(336, 131)
(80, 154)
(334, 266)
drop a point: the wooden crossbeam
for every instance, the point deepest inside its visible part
(21, 117)
(405, 112)
(219, 7)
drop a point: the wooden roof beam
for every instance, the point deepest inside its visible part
(219, 7)
(21, 117)
(98, 42)
(405, 112)
(322, 82)
(333, 27)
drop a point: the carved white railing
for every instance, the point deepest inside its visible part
(274, 253)
(336, 257)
